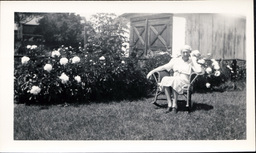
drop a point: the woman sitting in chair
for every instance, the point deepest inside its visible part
(182, 67)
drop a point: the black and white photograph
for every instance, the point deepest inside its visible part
(150, 76)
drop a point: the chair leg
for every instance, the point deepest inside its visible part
(156, 95)
(189, 101)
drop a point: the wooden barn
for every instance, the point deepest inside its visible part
(222, 35)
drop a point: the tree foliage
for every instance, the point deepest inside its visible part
(61, 29)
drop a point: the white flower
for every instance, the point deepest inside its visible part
(102, 58)
(48, 67)
(213, 60)
(66, 48)
(85, 55)
(75, 59)
(201, 61)
(33, 46)
(208, 70)
(28, 46)
(215, 65)
(217, 73)
(78, 78)
(207, 85)
(25, 59)
(55, 53)
(123, 62)
(63, 61)
(35, 90)
(64, 78)
(195, 53)
(229, 67)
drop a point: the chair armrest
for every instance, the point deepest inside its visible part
(159, 75)
(194, 75)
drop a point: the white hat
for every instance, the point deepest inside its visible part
(186, 47)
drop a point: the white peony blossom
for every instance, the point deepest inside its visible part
(102, 58)
(55, 53)
(48, 67)
(64, 78)
(215, 65)
(35, 90)
(196, 53)
(63, 61)
(228, 66)
(78, 78)
(25, 59)
(28, 46)
(75, 59)
(201, 61)
(213, 60)
(217, 73)
(33, 46)
(208, 70)
(208, 85)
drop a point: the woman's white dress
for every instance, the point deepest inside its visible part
(182, 70)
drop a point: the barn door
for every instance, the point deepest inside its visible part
(159, 34)
(138, 37)
(149, 35)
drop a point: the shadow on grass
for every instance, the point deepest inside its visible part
(182, 106)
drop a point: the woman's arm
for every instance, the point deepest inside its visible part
(195, 66)
(166, 67)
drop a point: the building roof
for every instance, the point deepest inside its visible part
(34, 21)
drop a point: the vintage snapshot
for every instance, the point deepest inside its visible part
(128, 77)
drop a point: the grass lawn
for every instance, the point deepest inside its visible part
(216, 116)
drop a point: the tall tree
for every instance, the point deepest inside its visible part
(61, 29)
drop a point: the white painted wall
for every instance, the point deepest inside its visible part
(178, 39)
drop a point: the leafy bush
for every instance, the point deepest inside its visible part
(78, 78)
(98, 72)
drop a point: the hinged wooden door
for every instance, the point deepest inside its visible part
(138, 37)
(159, 34)
(150, 34)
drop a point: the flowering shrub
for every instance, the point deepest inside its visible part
(212, 77)
(78, 78)
(98, 72)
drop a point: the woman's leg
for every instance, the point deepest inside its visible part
(175, 99)
(167, 92)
